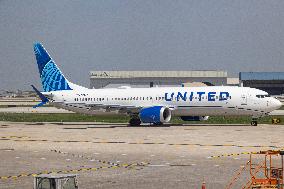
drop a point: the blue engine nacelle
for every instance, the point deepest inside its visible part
(155, 114)
(194, 118)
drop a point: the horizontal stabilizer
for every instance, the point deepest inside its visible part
(44, 100)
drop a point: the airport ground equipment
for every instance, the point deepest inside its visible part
(264, 171)
(276, 120)
(56, 181)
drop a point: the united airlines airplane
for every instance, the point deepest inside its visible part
(150, 105)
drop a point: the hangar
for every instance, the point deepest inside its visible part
(101, 79)
(271, 82)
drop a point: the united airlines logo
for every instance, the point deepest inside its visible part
(52, 78)
(200, 96)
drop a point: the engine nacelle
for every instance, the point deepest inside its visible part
(155, 114)
(194, 118)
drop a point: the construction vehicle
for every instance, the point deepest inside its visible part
(263, 174)
(56, 181)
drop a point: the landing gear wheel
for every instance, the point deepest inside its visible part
(253, 123)
(134, 122)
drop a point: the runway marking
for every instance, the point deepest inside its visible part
(12, 137)
(162, 165)
(101, 161)
(235, 154)
(7, 149)
(14, 177)
(104, 141)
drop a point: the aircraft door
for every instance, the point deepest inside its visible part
(244, 99)
(57, 98)
(60, 98)
(63, 98)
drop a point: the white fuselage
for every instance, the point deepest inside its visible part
(182, 101)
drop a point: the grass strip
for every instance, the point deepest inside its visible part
(66, 117)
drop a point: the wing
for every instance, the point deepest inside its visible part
(119, 108)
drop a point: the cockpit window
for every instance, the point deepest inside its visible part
(262, 96)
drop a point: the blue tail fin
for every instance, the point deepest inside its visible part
(51, 77)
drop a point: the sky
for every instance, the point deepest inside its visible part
(231, 35)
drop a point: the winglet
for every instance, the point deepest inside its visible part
(44, 100)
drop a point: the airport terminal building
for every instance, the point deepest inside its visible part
(271, 82)
(105, 79)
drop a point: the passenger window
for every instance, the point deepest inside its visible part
(262, 96)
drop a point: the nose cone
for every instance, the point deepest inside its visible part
(276, 104)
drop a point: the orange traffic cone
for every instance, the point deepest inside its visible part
(203, 185)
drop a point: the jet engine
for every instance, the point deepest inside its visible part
(155, 114)
(194, 118)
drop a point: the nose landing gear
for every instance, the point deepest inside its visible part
(253, 122)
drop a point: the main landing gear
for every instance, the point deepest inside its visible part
(253, 122)
(134, 121)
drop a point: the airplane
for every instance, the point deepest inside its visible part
(154, 105)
